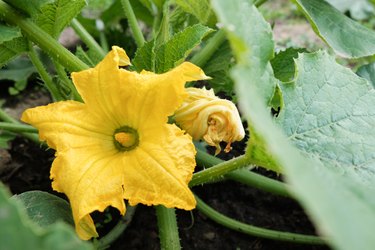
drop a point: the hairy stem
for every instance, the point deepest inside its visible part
(117, 231)
(138, 36)
(245, 176)
(201, 58)
(168, 229)
(56, 96)
(87, 38)
(8, 119)
(253, 230)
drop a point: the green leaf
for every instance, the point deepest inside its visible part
(31, 7)
(201, 9)
(283, 64)
(256, 47)
(18, 232)
(45, 209)
(359, 9)
(368, 72)
(11, 49)
(341, 208)
(5, 138)
(7, 33)
(95, 8)
(218, 68)
(172, 53)
(19, 70)
(347, 37)
(328, 114)
(54, 17)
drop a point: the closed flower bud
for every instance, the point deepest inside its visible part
(205, 116)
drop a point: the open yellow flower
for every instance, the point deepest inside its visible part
(205, 116)
(117, 144)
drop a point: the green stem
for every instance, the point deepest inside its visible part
(218, 171)
(259, 2)
(56, 96)
(118, 230)
(253, 230)
(202, 57)
(87, 38)
(42, 39)
(17, 128)
(138, 36)
(245, 176)
(67, 82)
(7, 118)
(168, 229)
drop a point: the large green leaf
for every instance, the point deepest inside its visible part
(44, 208)
(254, 48)
(18, 232)
(368, 72)
(347, 37)
(342, 208)
(329, 115)
(172, 53)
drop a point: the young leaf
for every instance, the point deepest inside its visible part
(44, 208)
(283, 64)
(368, 72)
(18, 232)
(347, 37)
(257, 48)
(53, 17)
(172, 53)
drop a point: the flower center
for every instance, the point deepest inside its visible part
(125, 138)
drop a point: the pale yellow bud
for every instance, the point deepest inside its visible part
(205, 116)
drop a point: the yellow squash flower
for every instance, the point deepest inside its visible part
(205, 116)
(117, 144)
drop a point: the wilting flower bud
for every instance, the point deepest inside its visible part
(205, 116)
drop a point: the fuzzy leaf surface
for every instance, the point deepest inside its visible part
(368, 72)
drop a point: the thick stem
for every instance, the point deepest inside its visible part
(17, 128)
(42, 39)
(138, 36)
(245, 176)
(87, 38)
(117, 231)
(218, 171)
(201, 58)
(168, 229)
(7, 118)
(67, 82)
(56, 96)
(253, 230)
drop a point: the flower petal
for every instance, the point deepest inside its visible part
(159, 173)
(92, 179)
(68, 124)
